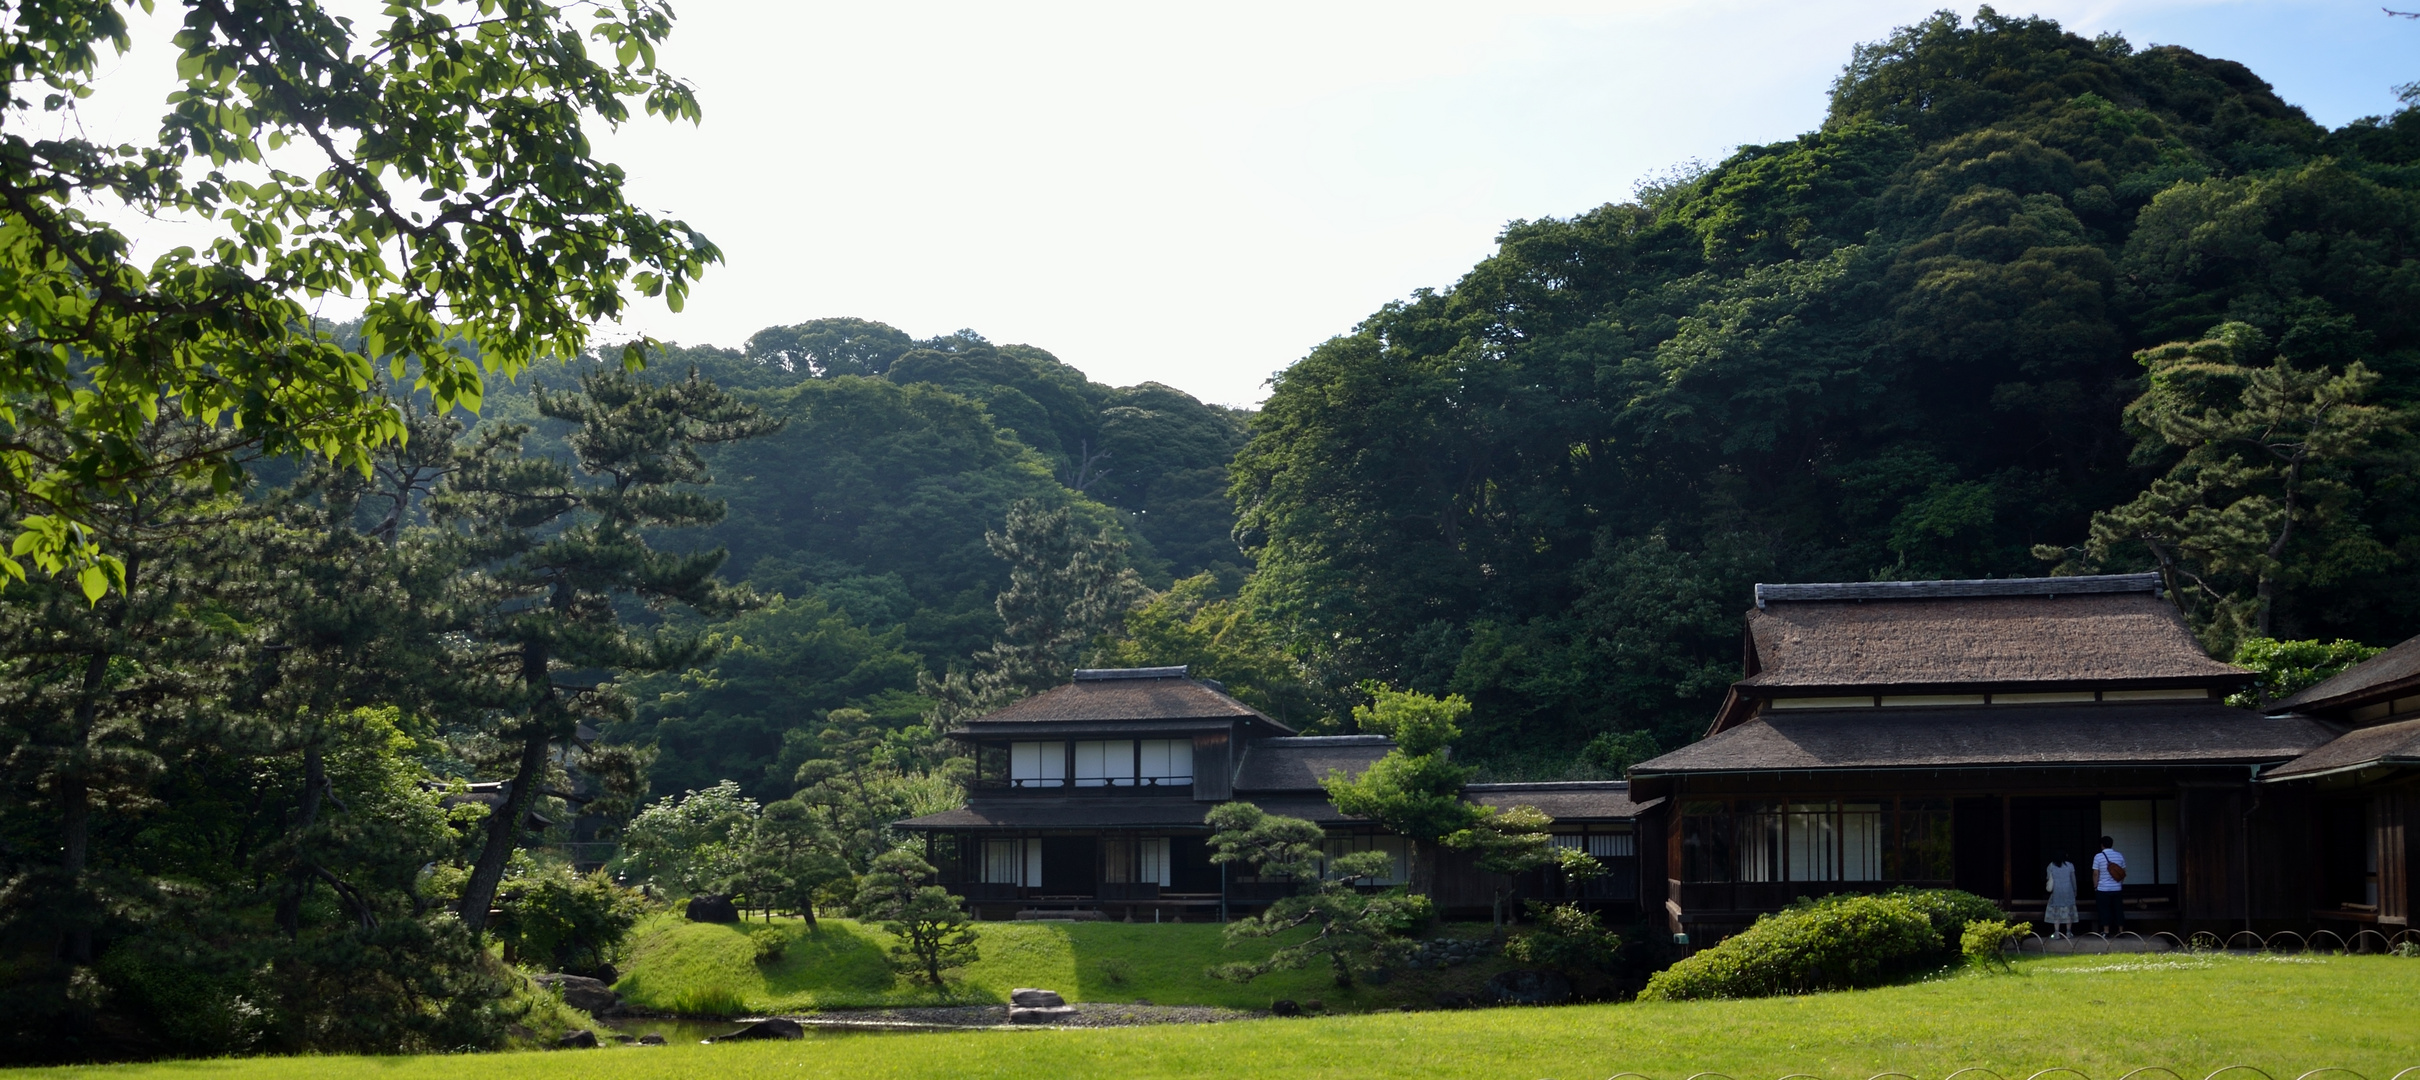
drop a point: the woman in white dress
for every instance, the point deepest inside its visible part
(2060, 911)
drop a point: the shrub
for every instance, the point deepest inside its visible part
(1948, 910)
(554, 919)
(770, 942)
(1985, 941)
(1566, 939)
(1839, 943)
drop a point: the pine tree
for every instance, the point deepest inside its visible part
(1064, 588)
(558, 547)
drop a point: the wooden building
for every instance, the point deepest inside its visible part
(1964, 734)
(2358, 796)
(1091, 798)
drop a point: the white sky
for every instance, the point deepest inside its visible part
(1197, 194)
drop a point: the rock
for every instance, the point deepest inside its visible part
(713, 909)
(1284, 1007)
(624, 1039)
(582, 1039)
(651, 1039)
(770, 1028)
(1041, 1014)
(588, 995)
(1530, 988)
(1035, 999)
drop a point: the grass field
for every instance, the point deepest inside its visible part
(702, 968)
(2100, 1015)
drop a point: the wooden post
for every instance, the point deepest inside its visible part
(2008, 854)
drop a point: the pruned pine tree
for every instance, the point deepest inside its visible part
(790, 861)
(1513, 841)
(1353, 931)
(557, 546)
(934, 932)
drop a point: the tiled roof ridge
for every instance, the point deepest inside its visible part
(1106, 674)
(1549, 785)
(2081, 585)
(1326, 740)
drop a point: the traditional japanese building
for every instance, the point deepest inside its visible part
(1091, 798)
(1966, 733)
(2360, 792)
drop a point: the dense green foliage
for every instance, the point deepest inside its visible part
(1841, 945)
(1329, 919)
(1902, 345)
(2288, 667)
(869, 512)
(293, 140)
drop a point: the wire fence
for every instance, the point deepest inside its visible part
(2361, 942)
(2064, 1073)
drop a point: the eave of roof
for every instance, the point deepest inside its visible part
(1994, 736)
(2397, 743)
(1574, 801)
(2389, 674)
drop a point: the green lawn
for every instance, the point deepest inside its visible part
(2100, 1015)
(681, 966)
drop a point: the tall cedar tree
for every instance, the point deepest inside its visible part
(560, 545)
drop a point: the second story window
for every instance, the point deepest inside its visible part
(1037, 764)
(1167, 762)
(1108, 763)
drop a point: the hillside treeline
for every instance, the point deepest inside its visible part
(320, 762)
(1901, 346)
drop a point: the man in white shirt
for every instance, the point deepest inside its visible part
(2109, 886)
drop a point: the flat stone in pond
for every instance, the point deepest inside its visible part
(1030, 998)
(770, 1028)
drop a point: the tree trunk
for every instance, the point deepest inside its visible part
(503, 833)
(298, 884)
(75, 788)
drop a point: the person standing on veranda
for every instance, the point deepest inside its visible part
(2109, 886)
(2059, 911)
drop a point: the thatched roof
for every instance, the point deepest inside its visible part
(2361, 748)
(2392, 673)
(1103, 701)
(1995, 736)
(2104, 640)
(1299, 764)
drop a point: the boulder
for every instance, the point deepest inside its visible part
(651, 1039)
(1529, 988)
(769, 1028)
(588, 995)
(1027, 997)
(1284, 1007)
(582, 1039)
(714, 909)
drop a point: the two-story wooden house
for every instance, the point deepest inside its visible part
(1966, 733)
(1091, 798)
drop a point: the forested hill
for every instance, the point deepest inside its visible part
(867, 512)
(1902, 345)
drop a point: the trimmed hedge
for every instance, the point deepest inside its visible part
(1832, 943)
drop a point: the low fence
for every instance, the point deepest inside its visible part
(2065, 1073)
(2283, 941)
